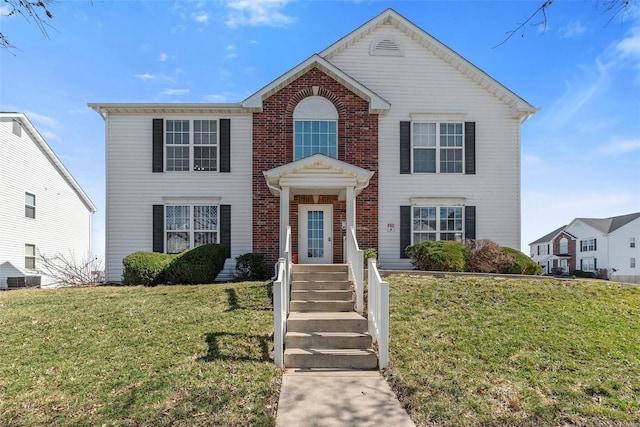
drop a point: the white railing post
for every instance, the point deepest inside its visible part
(281, 296)
(355, 258)
(378, 313)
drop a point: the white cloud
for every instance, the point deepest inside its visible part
(216, 97)
(572, 29)
(174, 92)
(41, 119)
(620, 147)
(201, 18)
(5, 10)
(257, 12)
(232, 55)
(163, 57)
(630, 46)
(145, 76)
(49, 136)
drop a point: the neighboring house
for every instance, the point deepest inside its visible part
(607, 246)
(387, 131)
(43, 210)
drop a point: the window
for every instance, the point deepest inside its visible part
(315, 128)
(632, 242)
(437, 223)
(564, 246)
(191, 145)
(632, 262)
(190, 226)
(543, 249)
(30, 256)
(437, 147)
(588, 264)
(587, 245)
(29, 205)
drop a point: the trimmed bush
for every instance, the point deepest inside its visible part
(201, 264)
(486, 256)
(522, 263)
(367, 254)
(584, 274)
(145, 268)
(437, 256)
(251, 266)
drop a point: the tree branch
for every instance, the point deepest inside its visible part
(542, 9)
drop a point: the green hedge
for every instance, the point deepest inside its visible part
(523, 264)
(437, 256)
(201, 264)
(454, 257)
(251, 266)
(145, 268)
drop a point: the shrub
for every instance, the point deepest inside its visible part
(201, 264)
(367, 254)
(486, 256)
(145, 268)
(251, 266)
(584, 274)
(437, 256)
(522, 263)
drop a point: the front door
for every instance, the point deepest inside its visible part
(315, 235)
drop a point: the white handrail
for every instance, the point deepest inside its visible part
(355, 259)
(281, 295)
(378, 313)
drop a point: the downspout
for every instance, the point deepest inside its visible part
(279, 191)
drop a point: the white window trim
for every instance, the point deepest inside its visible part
(191, 145)
(315, 109)
(190, 202)
(28, 205)
(437, 119)
(587, 267)
(30, 256)
(590, 239)
(437, 231)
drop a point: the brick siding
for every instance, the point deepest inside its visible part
(273, 147)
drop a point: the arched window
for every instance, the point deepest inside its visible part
(315, 128)
(564, 246)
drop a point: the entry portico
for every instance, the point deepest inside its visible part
(316, 175)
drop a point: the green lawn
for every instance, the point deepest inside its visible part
(491, 352)
(182, 355)
(464, 351)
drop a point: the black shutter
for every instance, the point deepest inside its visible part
(405, 148)
(538, 249)
(225, 228)
(580, 264)
(158, 145)
(470, 148)
(225, 145)
(470, 222)
(405, 230)
(595, 244)
(595, 264)
(158, 228)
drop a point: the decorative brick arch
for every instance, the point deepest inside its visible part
(316, 91)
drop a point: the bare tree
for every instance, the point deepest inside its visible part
(67, 271)
(36, 11)
(615, 8)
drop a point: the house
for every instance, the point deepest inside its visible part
(43, 210)
(387, 131)
(606, 246)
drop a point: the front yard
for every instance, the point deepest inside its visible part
(464, 351)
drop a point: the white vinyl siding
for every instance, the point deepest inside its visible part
(129, 208)
(62, 223)
(430, 86)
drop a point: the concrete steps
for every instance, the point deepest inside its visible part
(323, 330)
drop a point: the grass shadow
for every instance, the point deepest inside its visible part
(236, 346)
(232, 298)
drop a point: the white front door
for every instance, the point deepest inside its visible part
(315, 236)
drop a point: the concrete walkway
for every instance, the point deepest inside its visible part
(333, 397)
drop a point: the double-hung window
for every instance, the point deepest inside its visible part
(437, 223)
(588, 264)
(191, 145)
(587, 245)
(437, 147)
(30, 256)
(315, 128)
(188, 226)
(29, 205)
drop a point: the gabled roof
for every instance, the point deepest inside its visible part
(55, 161)
(318, 174)
(549, 237)
(376, 102)
(608, 225)
(522, 109)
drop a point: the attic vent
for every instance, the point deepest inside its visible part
(386, 46)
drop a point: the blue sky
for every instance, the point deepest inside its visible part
(580, 153)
